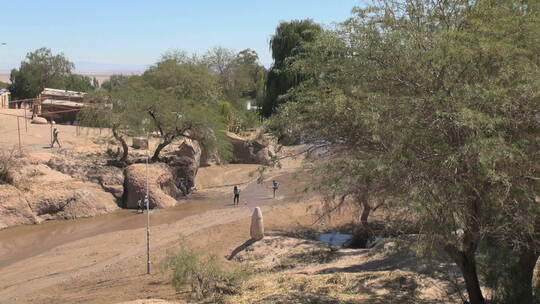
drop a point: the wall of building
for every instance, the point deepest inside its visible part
(4, 100)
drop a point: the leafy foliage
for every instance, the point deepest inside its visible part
(115, 81)
(286, 42)
(41, 69)
(204, 276)
(443, 100)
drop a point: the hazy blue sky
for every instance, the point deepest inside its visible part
(135, 33)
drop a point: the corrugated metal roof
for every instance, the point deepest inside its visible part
(49, 91)
(65, 103)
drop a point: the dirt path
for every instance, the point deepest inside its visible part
(36, 260)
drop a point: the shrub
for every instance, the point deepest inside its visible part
(202, 274)
(7, 164)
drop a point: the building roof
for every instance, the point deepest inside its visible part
(49, 91)
(2, 91)
(65, 103)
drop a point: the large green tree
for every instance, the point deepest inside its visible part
(443, 100)
(175, 98)
(115, 81)
(80, 83)
(239, 73)
(286, 42)
(186, 77)
(39, 70)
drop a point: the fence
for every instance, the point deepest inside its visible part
(27, 136)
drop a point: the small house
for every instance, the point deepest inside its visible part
(4, 99)
(59, 105)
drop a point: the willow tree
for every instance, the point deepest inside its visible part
(286, 42)
(444, 97)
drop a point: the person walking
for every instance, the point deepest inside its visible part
(275, 186)
(140, 207)
(55, 138)
(236, 192)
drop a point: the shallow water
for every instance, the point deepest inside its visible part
(335, 239)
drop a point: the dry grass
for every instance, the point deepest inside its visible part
(365, 287)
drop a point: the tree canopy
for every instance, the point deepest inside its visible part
(442, 99)
(175, 98)
(286, 42)
(42, 69)
(240, 74)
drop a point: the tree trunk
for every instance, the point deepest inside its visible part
(366, 210)
(466, 262)
(160, 147)
(522, 275)
(125, 147)
(468, 268)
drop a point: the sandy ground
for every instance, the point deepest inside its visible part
(37, 138)
(103, 259)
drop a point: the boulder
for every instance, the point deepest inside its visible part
(85, 168)
(162, 189)
(140, 143)
(40, 193)
(256, 230)
(14, 209)
(39, 120)
(257, 151)
(210, 156)
(69, 200)
(183, 161)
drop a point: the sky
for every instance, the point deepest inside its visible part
(123, 35)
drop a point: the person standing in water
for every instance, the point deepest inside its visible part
(236, 192)
(275, 186)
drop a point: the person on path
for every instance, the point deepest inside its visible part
(236, 192)
(55, 138)
(140, 207)
(275, 186)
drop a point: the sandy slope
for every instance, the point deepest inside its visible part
(102, 260)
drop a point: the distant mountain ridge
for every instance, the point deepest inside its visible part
(101, 71)
(88, 66)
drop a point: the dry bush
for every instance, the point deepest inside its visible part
(8, 164)
(202, 274)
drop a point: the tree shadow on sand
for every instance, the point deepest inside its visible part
(241, 248)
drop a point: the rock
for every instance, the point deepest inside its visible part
(183, 161)
(40, 193)
(86, 169)
(14, 209)
(257, 226)
(162, 189)
(140, 143)
(258, 151)
(39, 120)
(209, 156)
(69, 200)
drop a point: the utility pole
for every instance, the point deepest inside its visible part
(147, 199)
